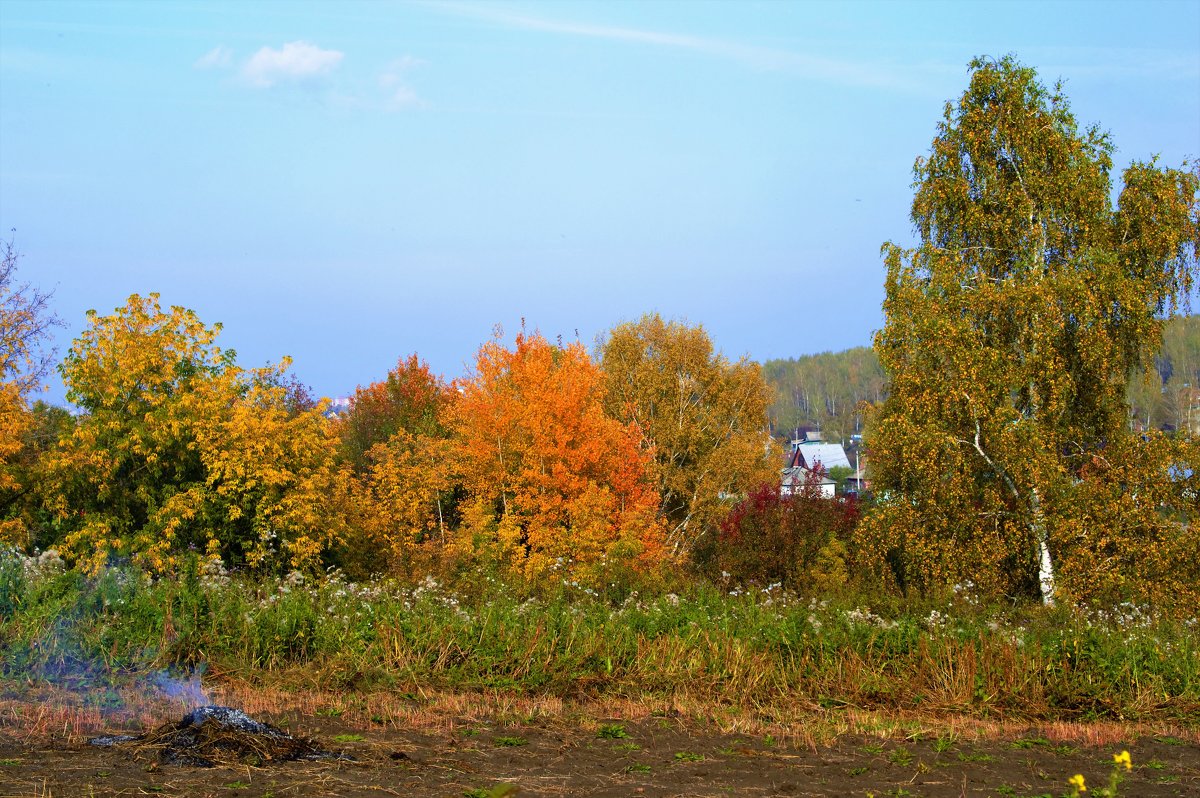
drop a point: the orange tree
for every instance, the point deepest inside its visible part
(410, 399)
(180, 448)
(25, 323)
(551, 480)
(1011, 332)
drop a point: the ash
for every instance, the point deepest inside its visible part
(214, 735)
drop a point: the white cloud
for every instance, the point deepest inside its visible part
(218, 57)
(394, 82)
(295, 61)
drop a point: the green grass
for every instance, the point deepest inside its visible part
(750, 650)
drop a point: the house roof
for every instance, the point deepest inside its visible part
(793, 477)
(829, 455)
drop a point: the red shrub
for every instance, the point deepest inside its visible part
(798, 540)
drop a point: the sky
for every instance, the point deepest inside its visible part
(346, 183)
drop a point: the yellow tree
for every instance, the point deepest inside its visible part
(551, 479)
(702, 417)
(179, 448)
(1011, 333)
(395, 440)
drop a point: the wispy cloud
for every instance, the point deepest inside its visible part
(218, 57)
(767, 58)
(294, 62)
(400, 95)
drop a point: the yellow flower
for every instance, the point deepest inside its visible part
(1076, 781)
(1123, 759)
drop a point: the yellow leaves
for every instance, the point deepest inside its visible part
(180, 448)
(702, 417)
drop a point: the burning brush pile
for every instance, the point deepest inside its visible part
(212, 735)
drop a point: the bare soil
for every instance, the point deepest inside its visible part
(569, 752)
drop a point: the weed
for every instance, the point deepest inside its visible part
(871, 748)
(9, 763)
(509, 742)
(1043, 660)
(348, 738)
(901, 756)
(499, 791)
(688, 756)
(858, 771)
(612, 731)
(768, 741)
(1155, 764)
(627, 747)
(976, 756)
(237, 785)
(637, 767)
(944, 743)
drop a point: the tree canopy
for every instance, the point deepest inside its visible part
(179, 447)
(703, 418)
(1011, 333)
(25, 324)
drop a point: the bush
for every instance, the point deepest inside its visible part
(798, 541)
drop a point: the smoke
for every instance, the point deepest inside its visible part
(186, 688)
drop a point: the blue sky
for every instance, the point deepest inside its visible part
(346, 183)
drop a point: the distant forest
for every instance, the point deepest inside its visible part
(826, 391)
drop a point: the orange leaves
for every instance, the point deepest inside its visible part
(410, 399)
(565, 480)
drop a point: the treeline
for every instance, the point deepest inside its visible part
(826, 391)
(831, 391)
(1004, 445)
(543, 461)
(1166, 395)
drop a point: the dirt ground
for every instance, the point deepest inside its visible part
(462, 746)
(660, 756)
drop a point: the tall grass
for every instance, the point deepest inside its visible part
(756, 649)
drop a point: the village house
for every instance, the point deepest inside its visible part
(811, 458)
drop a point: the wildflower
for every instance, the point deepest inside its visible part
(1123, 759)
(1076, 781)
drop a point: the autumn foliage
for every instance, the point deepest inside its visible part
(551, 480)
(1004, 449)
(25, 321)
(799, 541)
(181, 448)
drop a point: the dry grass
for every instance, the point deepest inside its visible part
(50, 714)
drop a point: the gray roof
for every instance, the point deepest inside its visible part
(830, 455)
(795, 477)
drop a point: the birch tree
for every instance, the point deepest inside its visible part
(703, 417)
(1011, 331)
